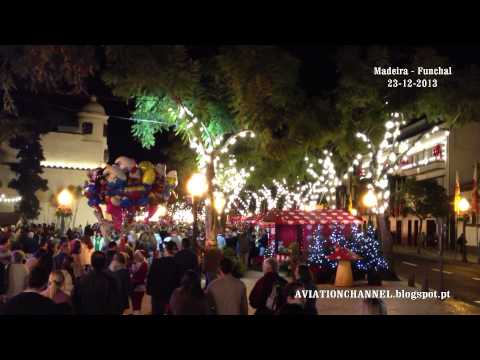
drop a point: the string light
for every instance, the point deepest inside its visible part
(9, 200)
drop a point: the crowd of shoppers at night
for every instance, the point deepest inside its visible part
(45, 272)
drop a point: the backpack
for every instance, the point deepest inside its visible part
(275, 299)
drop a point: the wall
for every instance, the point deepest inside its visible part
(464, 151)
(74, 150)
(59, 179)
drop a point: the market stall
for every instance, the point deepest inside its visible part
(290, 226)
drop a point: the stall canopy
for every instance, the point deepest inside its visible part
(300, 217)
(287, 226)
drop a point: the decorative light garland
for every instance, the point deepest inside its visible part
(4, 199)
(228, 179)
(389, 154)
(73, 166)
(305, 196)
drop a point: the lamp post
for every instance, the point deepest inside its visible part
(369, 200)
(64, 199)
(197, 186)
(463, 208)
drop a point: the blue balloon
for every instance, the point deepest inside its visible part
(116, 187)
(125, 203)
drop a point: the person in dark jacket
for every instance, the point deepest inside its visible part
(244, 247)
(97, 293)
(118, 268)
(189, 298)
(263, 243)
(110, 252)
(163, 278)
(186, 258)
(45, 259)
(305, 279)
(295, 305)
(31, 302)
(263, 289)
(3, 281)
(211, 264)
(30, 243)
(62, 253)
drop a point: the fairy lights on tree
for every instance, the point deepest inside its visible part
(390, 155)
(318, 250)
(270, 250)
(356, 244)
(324, 184)
(279, 195)
(371, 252)
(211, 142)
(337, 237)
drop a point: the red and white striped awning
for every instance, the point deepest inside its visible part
(301, 217)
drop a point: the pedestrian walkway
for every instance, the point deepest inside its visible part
(394, 306)
(355, 306)
(432, 254)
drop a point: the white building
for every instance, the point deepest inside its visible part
(69, 152)
(439, 156)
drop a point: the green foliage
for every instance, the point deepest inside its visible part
(44, 68)
(363, 101)
(238, 87)
(28, 169)
(424, 199)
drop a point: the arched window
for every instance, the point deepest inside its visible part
(106, 155)
(87, 128)
(105, 130)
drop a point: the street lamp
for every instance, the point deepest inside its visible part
(463, 205)
(197, 186)
(369, 200)
(219, 202)
(64, 199)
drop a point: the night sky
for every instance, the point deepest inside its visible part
(317, 75)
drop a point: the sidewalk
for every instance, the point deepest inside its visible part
(394, 306)
(432, 254)
(355, 306)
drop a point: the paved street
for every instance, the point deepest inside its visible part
(463, 280)
(355, 306)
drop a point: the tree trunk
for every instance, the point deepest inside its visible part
(211, 221)
(387, 246)
(419, 241)
(223, 223)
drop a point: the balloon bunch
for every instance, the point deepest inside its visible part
(127, 188)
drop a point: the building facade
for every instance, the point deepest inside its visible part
(439, 157)
(69, 152)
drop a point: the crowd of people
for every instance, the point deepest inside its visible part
(44, 272)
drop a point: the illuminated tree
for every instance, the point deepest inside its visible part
(320, 186)
(423, 199)
(211, 102)
(384, 159)
(319, 249)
